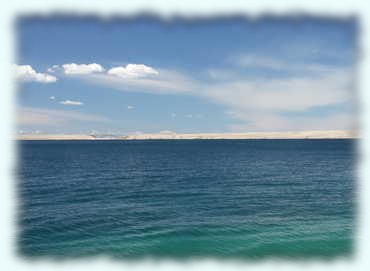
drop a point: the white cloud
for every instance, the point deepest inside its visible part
(130, 107)
(166, 82)
(254, 61)
(284, 94)
(31, 116)
(79, 69)
(26, 73)
(259, 105)
(69, 102)
(52, 97)
(132, 71)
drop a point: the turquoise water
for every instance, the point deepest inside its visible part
(247, 199)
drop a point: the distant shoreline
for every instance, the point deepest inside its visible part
(336, 134)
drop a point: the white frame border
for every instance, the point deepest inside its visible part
(189, 8)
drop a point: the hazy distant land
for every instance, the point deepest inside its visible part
(330, 134)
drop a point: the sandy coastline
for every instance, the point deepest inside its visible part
(336, 134)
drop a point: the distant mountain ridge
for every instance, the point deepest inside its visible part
(330, 134)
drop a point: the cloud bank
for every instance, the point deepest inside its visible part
(25, 73)
(258, 103)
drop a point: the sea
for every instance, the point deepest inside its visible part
(238, 199)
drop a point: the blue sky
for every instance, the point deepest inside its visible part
(219, 75)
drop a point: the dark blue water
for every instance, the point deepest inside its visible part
(181, 198)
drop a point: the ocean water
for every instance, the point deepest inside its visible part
(248, 199)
